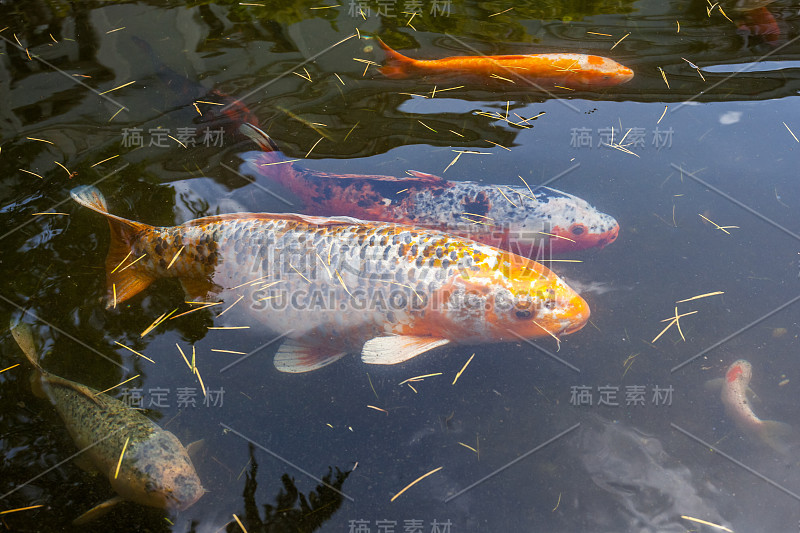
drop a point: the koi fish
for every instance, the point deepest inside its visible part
(576, 71)
(524, 220)
(338, 285)
(155, 470)
(737, 405)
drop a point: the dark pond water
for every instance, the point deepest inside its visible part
(723, 151)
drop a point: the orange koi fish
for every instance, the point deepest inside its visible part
(738, 407)
(338, 285)
(575, 71)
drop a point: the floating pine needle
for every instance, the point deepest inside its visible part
(379, 409)
(700, 296)
(228, 351)
(49, 213)
(724, 14)
(240, 522)
(114, 290)
(462, 371)
(412, 388)
(616, 43)
(315, 145)
(404, 190)
(278, 162)
(467, 446)
(496, 144)
(453, 162)
(558, 341)
(501, 78)
(342, 282)
(557, 503)
(662, 114)
(134, 351)
(135, 261)
(338, 78)
(115, 88)
(506, 197)
(197, 373)
(191, 368)
(230, 327)
(121, 262)
(556, 236)
(415, 482)
(204, 305)
(175, 257)
(197, 109)
(69, 173)
(433, 130)
(501, 12)
(790, 131)
(115, 29)
(678, 323)
(176, 140)
(419, 378)
(372, 387)
(678, 22)
(601, 34)
(121, 455)
(325, 7)
(21, 509)
(475, 221)
(228, 308)
(672, 322)
(117, 385)
(117, 113)
(104, 160)
(723, 528)
(40, 140)
(717, 226)
(562, 87)
(477, 215)
(299, 273)
(9, 368)
(32, 173)
(455, 132)
(158, 322)
(664, 75)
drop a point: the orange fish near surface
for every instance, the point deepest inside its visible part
(574, 71)
(338, 285)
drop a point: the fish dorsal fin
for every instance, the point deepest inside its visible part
(296, 357)
(397, 349)
(83, 390)
(193, 449)
(97, 511)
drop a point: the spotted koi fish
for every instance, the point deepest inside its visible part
(735, 390)
(575, 71)
(154, 469)
(520, 219)
(333, 286)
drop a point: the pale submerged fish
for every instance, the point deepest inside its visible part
(155, 469)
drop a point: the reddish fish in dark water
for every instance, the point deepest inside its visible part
(575, 71)
(524, 220)
(216, 109)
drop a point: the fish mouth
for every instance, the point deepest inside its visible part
(578, 315)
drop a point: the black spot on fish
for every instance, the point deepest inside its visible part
(478, 206)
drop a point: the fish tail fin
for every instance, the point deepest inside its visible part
(22, 334)
(258, 136)
(397, 64)
(124, 283)
(775, 435)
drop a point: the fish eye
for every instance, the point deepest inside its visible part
(578, 229)
(523, 314)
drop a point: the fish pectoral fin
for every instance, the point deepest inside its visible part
(396, 349)
(97, 511)
(295, 357)
(193, 449)
(199, 288)
(256, 135)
